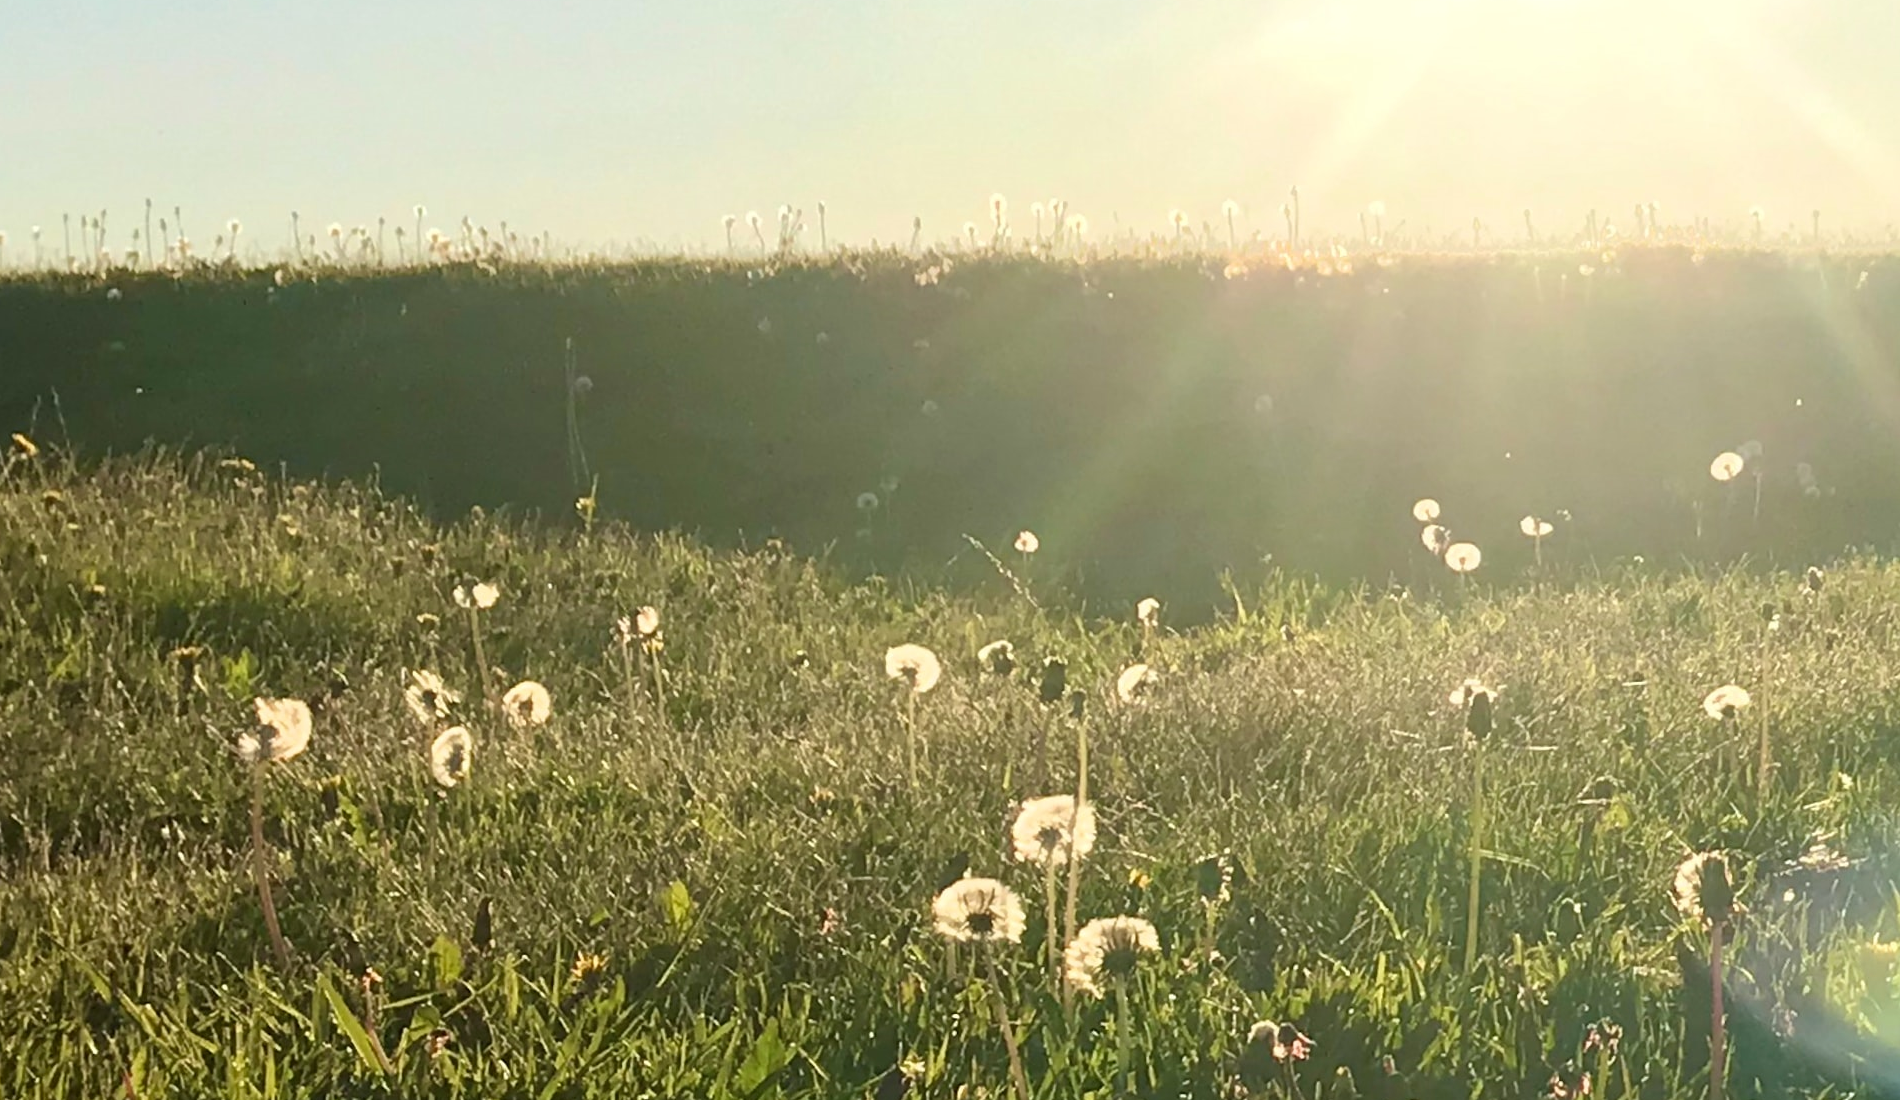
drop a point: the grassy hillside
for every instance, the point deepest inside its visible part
(724, 889)
(1155, 417)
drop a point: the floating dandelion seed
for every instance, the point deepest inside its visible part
(527, 704)
(1534, 527)
(481, 597)
(1027, 542)
(1106, 950)
(1148, 613)
(450, 756)
(979, 910)
(1426, 511)
(282, 731)
(1462, 557)
(1135, 682)
(1725, 702)
(915, 665)
(1727, 466)
(428, 698)
(1050, 830)
(1436, 539)
(998, 658)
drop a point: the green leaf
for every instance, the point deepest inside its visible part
(768, 1057)
(677, 903)
(352, 1027)
(448, 961)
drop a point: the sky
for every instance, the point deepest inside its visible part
(639, 123)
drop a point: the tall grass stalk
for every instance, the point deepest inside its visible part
(1081, 800)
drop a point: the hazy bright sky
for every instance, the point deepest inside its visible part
(644, 121)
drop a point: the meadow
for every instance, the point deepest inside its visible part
(726, 856)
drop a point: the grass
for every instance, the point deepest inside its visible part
(731, 898)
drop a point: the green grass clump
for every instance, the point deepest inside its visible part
(723, 888)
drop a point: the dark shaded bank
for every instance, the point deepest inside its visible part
(1153, 421)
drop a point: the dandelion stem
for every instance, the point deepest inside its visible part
(1049, 904)
(481, 655)
(659, 689)
(1124, 1036)
(1766, 765)
(626, 666)
(260, 869)
(1718, 1053)
(1081, 800)
(910, 736)
(1016, 1074)
(1472, 897)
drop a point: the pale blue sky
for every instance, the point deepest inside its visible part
(632, 120)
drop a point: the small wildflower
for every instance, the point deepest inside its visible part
(979, 910)
(450, 756)
(587, 965)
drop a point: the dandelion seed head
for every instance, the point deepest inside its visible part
(1703, 890)
(282, 731)
(1148, 612)
(1230, 209)
(1048, 830)
(979, 910)
(915, 665)
(1376, 208)
(1027, 542)
(1105, 950)
(1727, 466)
(1534, 528)
(428, 698)
(1426, 511)
(527, 704)
(1462, 557)
(998, 658)
(450, 756)
(1725, 702)
(1134, 683)
(867, 501)
(1436, 539)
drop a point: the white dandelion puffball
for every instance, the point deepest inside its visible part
(450, 756)
(979, 910)
(1230, 209)
(1436, 539)
(1469, 692)
(867, 501)
(1462, 557)
(1725, 701)
(1376, 208)
(1426, 511)
(646, 621)
(282, 731)
(528, 704)
(1148, 612)
(428, 698)
(481, 597)
(1534, 528)
(913, 664)
(1135, 682)
(1106, 949)
(1048, 830)
(1703, 890)
(1027, 542)
(1727, 466)
(998, 657)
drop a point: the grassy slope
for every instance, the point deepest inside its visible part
(1331, 767)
